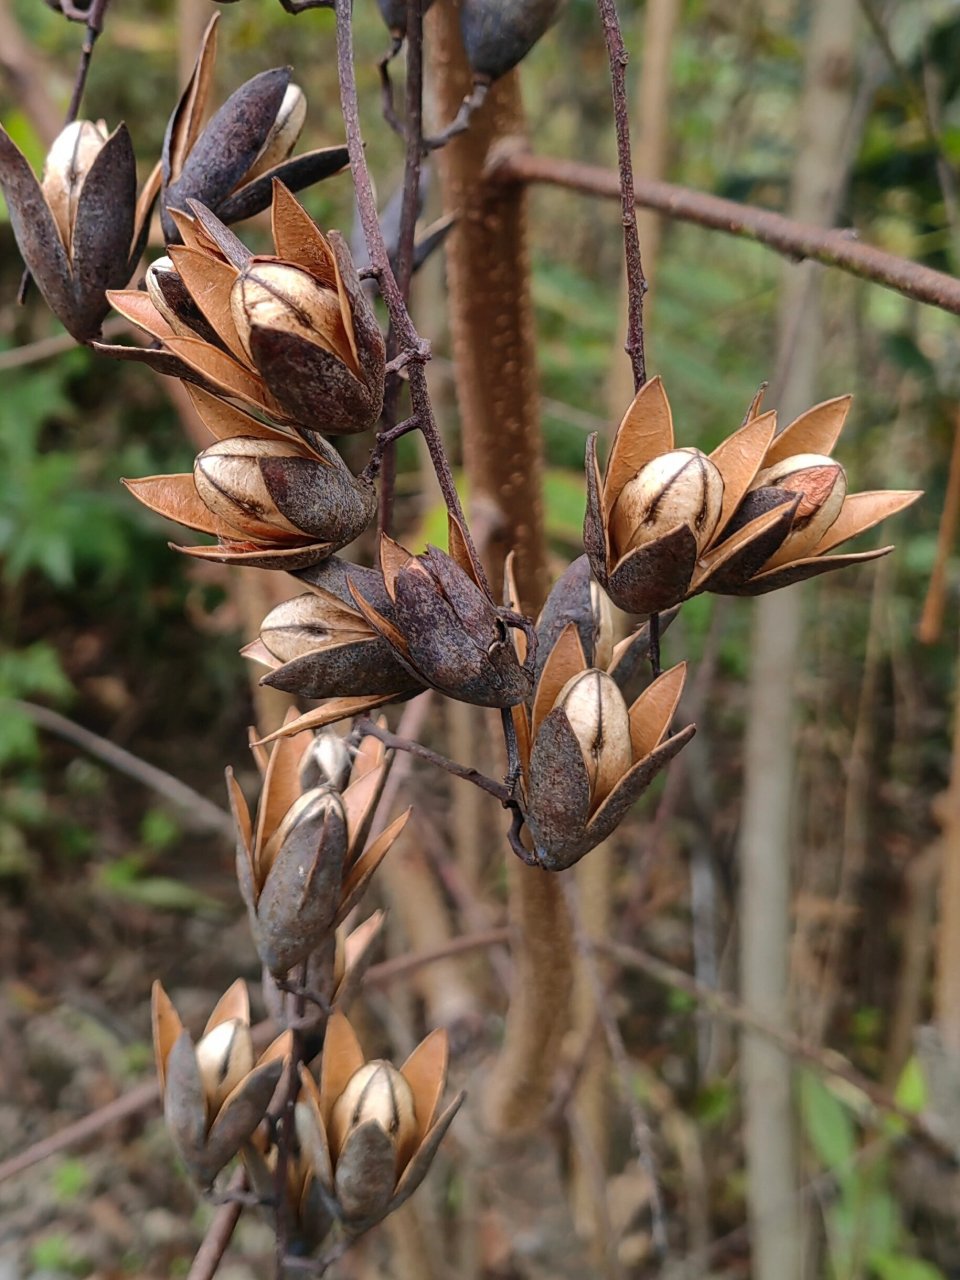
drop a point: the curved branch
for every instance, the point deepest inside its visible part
(797, 240)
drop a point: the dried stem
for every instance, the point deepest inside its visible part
(794, 239)
(496, 789)
(636, 284)
(220, 1231)
(409, 341)
(413, 161)
(642, 1137)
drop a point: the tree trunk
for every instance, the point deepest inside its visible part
(766, 828)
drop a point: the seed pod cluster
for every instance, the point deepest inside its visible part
(276, 352)
(761, 511)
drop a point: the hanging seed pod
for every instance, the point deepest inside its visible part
(497, 35)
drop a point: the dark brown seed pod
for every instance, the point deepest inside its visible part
(229, 164)
(498, 34)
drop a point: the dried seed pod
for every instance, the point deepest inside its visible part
(275, 489)
(305, 863)
(585, 756)
(682, 487)
(214, 1095)
(445, 629)
(291, 337)
(803, 491)
(498, 34)
(82, 229)
(229, 163)
(370, 1132)
(660, 527)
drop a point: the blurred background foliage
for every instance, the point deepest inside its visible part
(101, 621)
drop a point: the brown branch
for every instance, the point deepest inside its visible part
(199, 813)
(219, 1233)
(796, 240)
(140, 1098)
(636, 284)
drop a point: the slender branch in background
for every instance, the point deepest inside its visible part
(793, 239)
(220, 1232)
(642, 1137)
(408, 340)
(199, 813)
(636, 284)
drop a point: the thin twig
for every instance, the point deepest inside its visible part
(407, 337)
(94, 25)
(200, 813)
(409, 208)
(795, 240)
(636, 283)
(220, 1232)
(490, 785)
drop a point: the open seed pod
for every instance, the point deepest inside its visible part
(823, 514)
(585, 755)
(271, 499)
(319, 645)
(295, 339)
(214, 1094)
(306, 863)
(664, 524)
(369, 1131)
(230, 163)
(81, 229)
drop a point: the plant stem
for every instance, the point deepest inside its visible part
(219, 1233)
(636, 284)
(496, 789)
(408, 340)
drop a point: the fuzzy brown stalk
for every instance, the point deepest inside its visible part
(491, 321)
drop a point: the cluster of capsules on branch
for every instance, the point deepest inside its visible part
(279, 352)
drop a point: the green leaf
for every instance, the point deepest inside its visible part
(827, 1123)
(897, 1266)
(911, 1091)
